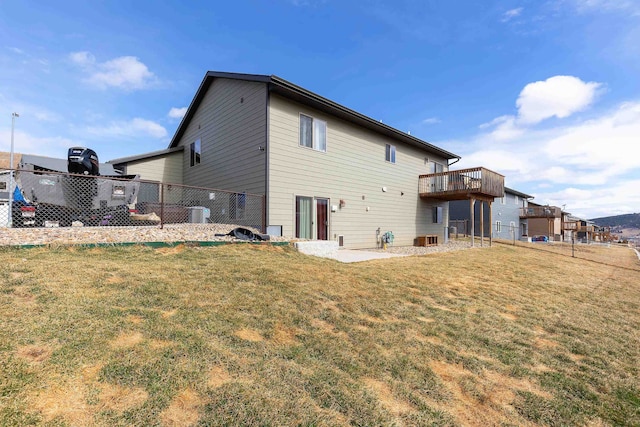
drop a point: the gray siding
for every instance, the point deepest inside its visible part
(231, 125)
(353, 170)
(507, 213)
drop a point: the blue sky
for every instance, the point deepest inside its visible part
(545, 92)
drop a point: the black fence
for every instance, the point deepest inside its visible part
(39, 198)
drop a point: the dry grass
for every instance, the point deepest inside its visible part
(260, 335)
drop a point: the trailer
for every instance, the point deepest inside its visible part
(47, 197)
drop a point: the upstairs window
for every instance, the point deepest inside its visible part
(517, 200)
(313, 133)
(195, 152)
(390, 153)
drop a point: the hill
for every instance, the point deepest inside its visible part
(622, 221)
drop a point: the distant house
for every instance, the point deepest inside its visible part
(544, 220)
(326, 172)
(508, 222)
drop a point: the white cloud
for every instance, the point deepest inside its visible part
(177, 113)
(431, 121)
(84, 59)
(26, 143)
(125, 72)
(558, 96)
(510, 14)
(136, 128)
(505, 128)
(587, 165)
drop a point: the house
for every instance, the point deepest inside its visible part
(327, 172)
(585, 231)
(544, 220)
(508, 221)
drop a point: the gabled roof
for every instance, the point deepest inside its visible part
(296, 93)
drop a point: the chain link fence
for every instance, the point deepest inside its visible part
(39, 198)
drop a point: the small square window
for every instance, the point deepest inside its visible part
(390, 153)
(195, 152)
(3, 185)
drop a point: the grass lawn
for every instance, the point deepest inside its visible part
(261, 335)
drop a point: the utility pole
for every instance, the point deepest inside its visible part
(13, 124)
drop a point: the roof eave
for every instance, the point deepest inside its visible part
(283, 87)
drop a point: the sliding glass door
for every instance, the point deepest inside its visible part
(312, 212)
(304, 217)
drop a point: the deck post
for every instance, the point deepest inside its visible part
(472, 202)
(490, 223)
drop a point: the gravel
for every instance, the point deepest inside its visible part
(114, 235)
(451, 245)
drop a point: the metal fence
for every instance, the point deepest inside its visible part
(54, 199)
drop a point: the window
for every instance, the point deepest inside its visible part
(390, 153)
(498, 226)
(437, 214)
(313, 133)
(503, 200)
(195, 152)
(3, 185)
(516, 199)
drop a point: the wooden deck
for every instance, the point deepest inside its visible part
(478, 183)
(540, 212)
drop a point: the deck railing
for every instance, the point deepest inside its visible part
(461, 184)
(540, 212)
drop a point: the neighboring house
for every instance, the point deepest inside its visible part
(327, 172)
(585, 231)
(507, 223)
(544, 220)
